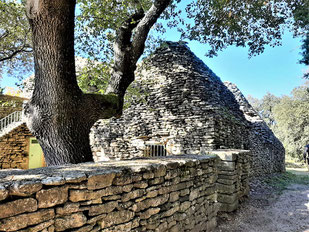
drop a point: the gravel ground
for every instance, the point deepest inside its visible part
(266, 211)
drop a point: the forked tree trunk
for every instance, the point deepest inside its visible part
(59, 114)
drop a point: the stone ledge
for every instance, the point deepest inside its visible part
(141, 195)
(93, 171)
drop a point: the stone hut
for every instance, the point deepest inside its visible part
(187, 110)
(267, 152)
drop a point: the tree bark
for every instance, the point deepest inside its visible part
(130, 45)
(59, 114)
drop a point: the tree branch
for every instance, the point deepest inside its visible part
(144, 26)
(5, 34)
(123, 69)
(16, 52)
(129, 47)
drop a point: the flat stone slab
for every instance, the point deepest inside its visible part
(228, 155)
(60, 175)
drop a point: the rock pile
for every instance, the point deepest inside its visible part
(188, 110)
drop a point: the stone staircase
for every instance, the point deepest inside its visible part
(10, 122)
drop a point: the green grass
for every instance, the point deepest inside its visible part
(282, 181)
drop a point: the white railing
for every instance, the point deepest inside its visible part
(10, 121)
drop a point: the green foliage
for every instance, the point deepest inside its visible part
(265, 107)
(292, 121)
(305, 53)
(97, 22)
(269, 101)
(300, 11)
(15, 40)
(301, 18)
(288, 117)
(92, 77)
(241, 23)
(218, 23)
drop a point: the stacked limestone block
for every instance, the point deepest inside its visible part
(14, 148)
(171, 194)
(267, 152)
(233, 181)
(187, 108)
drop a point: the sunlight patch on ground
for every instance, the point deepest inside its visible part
(298, 171)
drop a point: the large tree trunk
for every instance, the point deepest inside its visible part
(59, 114)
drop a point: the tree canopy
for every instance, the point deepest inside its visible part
(16, 56)
(288, 117)
(218, 23)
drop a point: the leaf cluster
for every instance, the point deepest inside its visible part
(15, 40)
(242, 23)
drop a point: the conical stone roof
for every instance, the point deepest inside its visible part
(187, 106)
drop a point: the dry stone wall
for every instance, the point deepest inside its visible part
(233, 178)
(177, 193)
(171, 194)
(267, 152)
(14, 148)
(187, 108)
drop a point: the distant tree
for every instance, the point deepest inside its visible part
(16, 56)
(292, 121)
(305, 54)
(269, 101)
(60, 115)
(265, 107)
(255, 103)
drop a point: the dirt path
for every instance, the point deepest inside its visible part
(268, 212)
(299, 171)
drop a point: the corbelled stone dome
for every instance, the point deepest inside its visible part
(186, 107)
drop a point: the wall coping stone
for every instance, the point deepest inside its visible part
(19, 182)
(228, 154)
